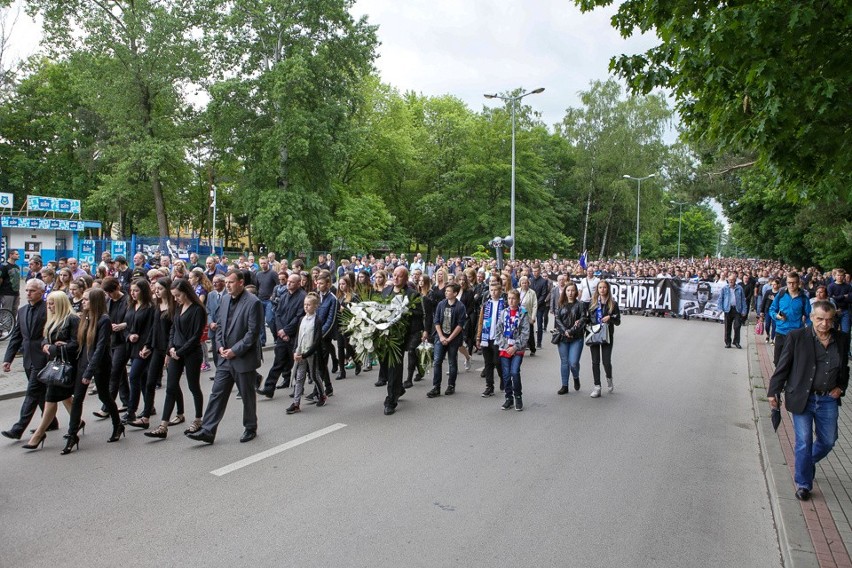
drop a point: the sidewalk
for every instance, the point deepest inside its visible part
(817, 532)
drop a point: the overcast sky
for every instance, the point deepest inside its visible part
(468, 48)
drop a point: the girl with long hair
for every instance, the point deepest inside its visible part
(60, 340)
(93, 365)
(346, 296)
(603, 309)
(184, 355)
(140, 317)
(155, 348)
(202, 286)
(570, 321)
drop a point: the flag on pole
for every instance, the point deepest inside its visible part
(583, 259)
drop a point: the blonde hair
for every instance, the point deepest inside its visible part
(61, 313)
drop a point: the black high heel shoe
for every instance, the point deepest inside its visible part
(82, 429)
(73, 440)
(37, 444)
(117, 433)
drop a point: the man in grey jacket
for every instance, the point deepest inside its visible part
(240, 323)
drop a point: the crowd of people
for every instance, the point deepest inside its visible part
(122, 327)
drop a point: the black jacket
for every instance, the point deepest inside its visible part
(28, 339)
(797, 367)
(95, 359)
(289, 312)
(571, 318)
(68, 334)
(117, 310)
(160, 331)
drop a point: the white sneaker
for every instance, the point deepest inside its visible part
(596, 392)
(609, 386)
(467, 364)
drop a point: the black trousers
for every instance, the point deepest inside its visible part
(327, 351)
(191, 364)
(540, 319)
(491, 354)
(137, 381)
(732, 319)
(779, 346)
(393, 374)
(282, 365)
(531, 342)
(102, 385)
(33, 399)
(153, 378)
(117, 386)
(344, 351)
(596, 352)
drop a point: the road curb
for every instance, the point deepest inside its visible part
(794, 541)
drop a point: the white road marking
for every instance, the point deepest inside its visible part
(276, 450)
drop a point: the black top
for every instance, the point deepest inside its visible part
(266, 283)
(187, 328)
(160, 331)
(140, 325)
(117, 310)
(827, 364)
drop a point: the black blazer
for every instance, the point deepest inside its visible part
(160, 331)
(289, 312)
(28, 339)
(68, 334)
(96, 359)
(797, 366)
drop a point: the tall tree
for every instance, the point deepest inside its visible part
(283, 111)
(140, 57)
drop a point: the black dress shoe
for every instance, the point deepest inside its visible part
(408, 384)
(284, 385)
(727, 346)
(200, 436)
(248, 436)
(381, 383)
(334, 366)
(451, 389)
(11, 435)
(738, 346)
(435, 392)
(357, 368)
(802, 494)
(389, 409)
(341, 375)
(266, 393)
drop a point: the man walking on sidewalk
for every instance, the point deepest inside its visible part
(813, 372)
(732, 302)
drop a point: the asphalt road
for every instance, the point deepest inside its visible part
(663, 472)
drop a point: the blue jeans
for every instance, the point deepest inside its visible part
(769, 327)
(569, 358)
(820, 415)
(451, 351)
(844, 321)
(512, 374)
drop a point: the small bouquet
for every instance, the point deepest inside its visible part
(379, 327)
(425, 357)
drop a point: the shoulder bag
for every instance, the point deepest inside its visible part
(597, 334)
(57, 372)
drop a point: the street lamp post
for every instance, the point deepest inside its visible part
(638, 191)
(513, 100)
(680, 205)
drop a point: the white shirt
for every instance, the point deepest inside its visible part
(585, 286)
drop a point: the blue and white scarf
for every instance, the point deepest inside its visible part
(487, 318)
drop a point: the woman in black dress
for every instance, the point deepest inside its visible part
(60, 340)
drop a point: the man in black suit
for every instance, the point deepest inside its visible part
(327, 318)
(288, 314)
(27, 335)
(414, 335)
(813, 372)
(239, 325)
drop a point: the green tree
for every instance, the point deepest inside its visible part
(283, 113)
(772, 77)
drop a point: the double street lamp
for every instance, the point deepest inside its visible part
(680, 205)
(638, 191)
(513, 101)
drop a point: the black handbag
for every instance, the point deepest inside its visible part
(597, 334)
(556, 336)
(57, 372)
